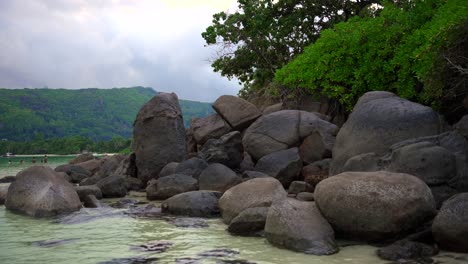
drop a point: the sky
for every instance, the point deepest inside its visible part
(111, 43)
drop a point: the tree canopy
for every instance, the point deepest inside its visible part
(263, 35)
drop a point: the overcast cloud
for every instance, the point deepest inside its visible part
(111, 43)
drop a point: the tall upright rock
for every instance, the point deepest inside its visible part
(158, 135)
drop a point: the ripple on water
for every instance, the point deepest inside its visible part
(110, 239)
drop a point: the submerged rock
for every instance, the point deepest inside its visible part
(219, 253)
(132, 260)
(155, 246)
(40, 192)
(87, 215)
(299, 226)
(53, 243)
(189, 222)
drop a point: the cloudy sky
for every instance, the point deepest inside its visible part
(111, 43)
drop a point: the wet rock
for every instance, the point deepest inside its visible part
(300, 186)
(249, 222)
(191, 167)
(53, 243)
(305, 196)
(188, 260)
(169, 169)
(126, 203)
(132, 260)
(169, 186)
(146, 211)
(406, 250)
(189, 222)
(40, 192)
(3, 194)
(194, 203)
(219, 253)
(259, 192)
(248, 175)
(379, 120)
(82, 158)
(450, 226)
(90, 201)
(158, 135)
(7, 179)
(112, 186)
(227, 150)
(284, 165)
(299, 226)
(155, 246)
(236, 111)
(374, 205)
(83, 191)
(316, 147)
(210, 127)
(218, 177)
(282, 130)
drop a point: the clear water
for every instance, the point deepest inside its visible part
(110, 238)
(12, 165)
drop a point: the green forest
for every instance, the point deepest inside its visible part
(61, 121)
(341, 49)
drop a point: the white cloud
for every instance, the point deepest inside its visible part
(77, 43)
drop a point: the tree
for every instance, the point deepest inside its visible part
(264, 35)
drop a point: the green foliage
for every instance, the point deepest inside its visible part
(399, 50)
(97, 114)
(264, 35)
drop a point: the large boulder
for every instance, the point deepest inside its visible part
(299, 226)
(3, 194)
(84, 191)
(249, 222)
(316, 147)
(40, 192)
(158, 135)
(112, 186)
(218, 177)
(236, 111)
(194, 203)
(282, 130)
(82, 158)
(109, 166)
(378, 120)
(450, 227)
(169, 186)
(284, 165)
(227, 150)
(91, 165)
(191, 167)
(258, 192)
(127, 166)
(462, 126)
(169, 169)
(373, 206)
(213, 126)
(69, 168)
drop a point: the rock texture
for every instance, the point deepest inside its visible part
(191, 167)
(379, 120)
(373, 206)
(169, 169)
(218, 177)
(227, 150)
(194, 203)
(316, 147)
(299, 226)
(158, 135)
(210, 127)
(236, 111)
(284, 165)
(84, 191)
(112, 186)
(462, 126)
(249, 222)
(259, 192)
(169, 186)
(282, 130)
(450, 227)
(40, 192)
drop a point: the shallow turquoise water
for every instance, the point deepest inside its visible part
(13, 165)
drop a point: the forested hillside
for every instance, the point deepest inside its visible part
(98, 114)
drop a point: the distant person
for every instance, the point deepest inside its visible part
(21, 161)
(46, 158)
(33, 160)
(9, 161)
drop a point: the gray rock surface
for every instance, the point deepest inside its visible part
(169, 186)
(112, 186)
(300, 186)
(236, 111)
(169, 169)
(82, 158)
(373, 206)
(462, 126)
(284, 165)
(158, 135)
(191, 167)
(40, 192)
(3, 194)
(379, 120)
(249, 222)
(227, 150)
(259, 192)
(316, 147)
(194, 203)
(248, 175)
(305, 196)
(450, 227)
(299, 226)
(210, 127)
(282, 130)
(217, 177)
(84, 191)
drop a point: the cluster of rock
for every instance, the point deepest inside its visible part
(291, 175)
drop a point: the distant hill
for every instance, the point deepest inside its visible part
(99, 114)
